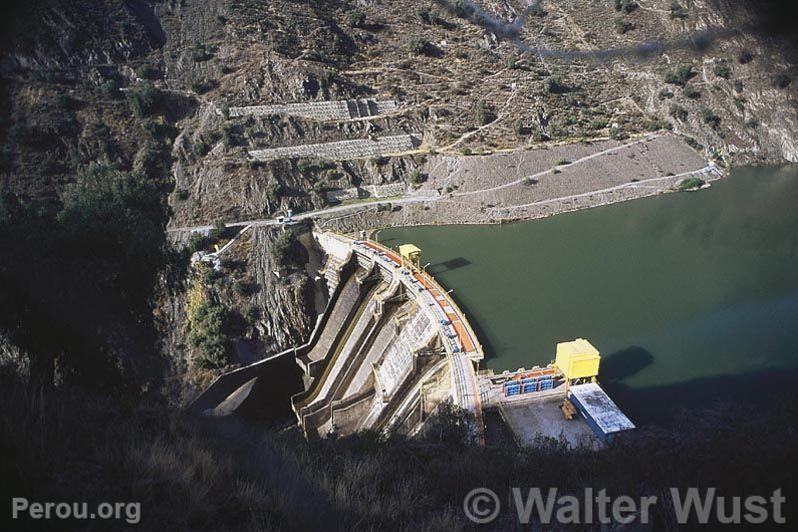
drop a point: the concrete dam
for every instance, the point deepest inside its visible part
(391, 347)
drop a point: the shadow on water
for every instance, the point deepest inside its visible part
(389, 242)
(664, 405)
(624, 363)
(448, 265)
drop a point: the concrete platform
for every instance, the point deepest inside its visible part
(543, 417)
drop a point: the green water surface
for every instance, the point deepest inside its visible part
(677, 291)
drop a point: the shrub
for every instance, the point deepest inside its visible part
(424, 15)
(219, 229)
(462, 9)
(202, 52)
(665, 94)
(693, 143)
(617, 133)
(625, 6)
(691, 92)
(230, 136)
(622, 25)
(252, 314)
(281, 248)
(206, 320)
(658, 124)
(201, 85)
(677, 10)
(416, 177)
(242, 287)
(421, 46)
(679, 75)
(722, 70)
(110, 88)
(691, 183)
(710, 118)
(520, 128)
(356, 18)
(201, 147)
(484, 114)
(678, 112)
(147, 72)
(197, 242)
(156, 127)
(511, 62)
(554, 85)
(745, 56)
(145, 99)
(782, 81)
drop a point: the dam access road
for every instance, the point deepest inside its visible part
(522, 184)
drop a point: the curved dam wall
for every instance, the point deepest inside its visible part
(394, 348)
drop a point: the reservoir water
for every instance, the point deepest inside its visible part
(690, 297)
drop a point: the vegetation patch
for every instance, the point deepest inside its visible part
(678, 112)
(680, 75)
(206, 322)
(691, 183)
(145, 99)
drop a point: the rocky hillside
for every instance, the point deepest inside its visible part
(147, 87)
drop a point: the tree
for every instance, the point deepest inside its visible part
(281, 247)
(118, 211)
(110, 88)
(145, 99)
(484, 114)
(679, 75)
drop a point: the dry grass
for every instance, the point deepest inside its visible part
(216, 474)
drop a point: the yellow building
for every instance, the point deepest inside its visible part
(410, 254)
(577, 359)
